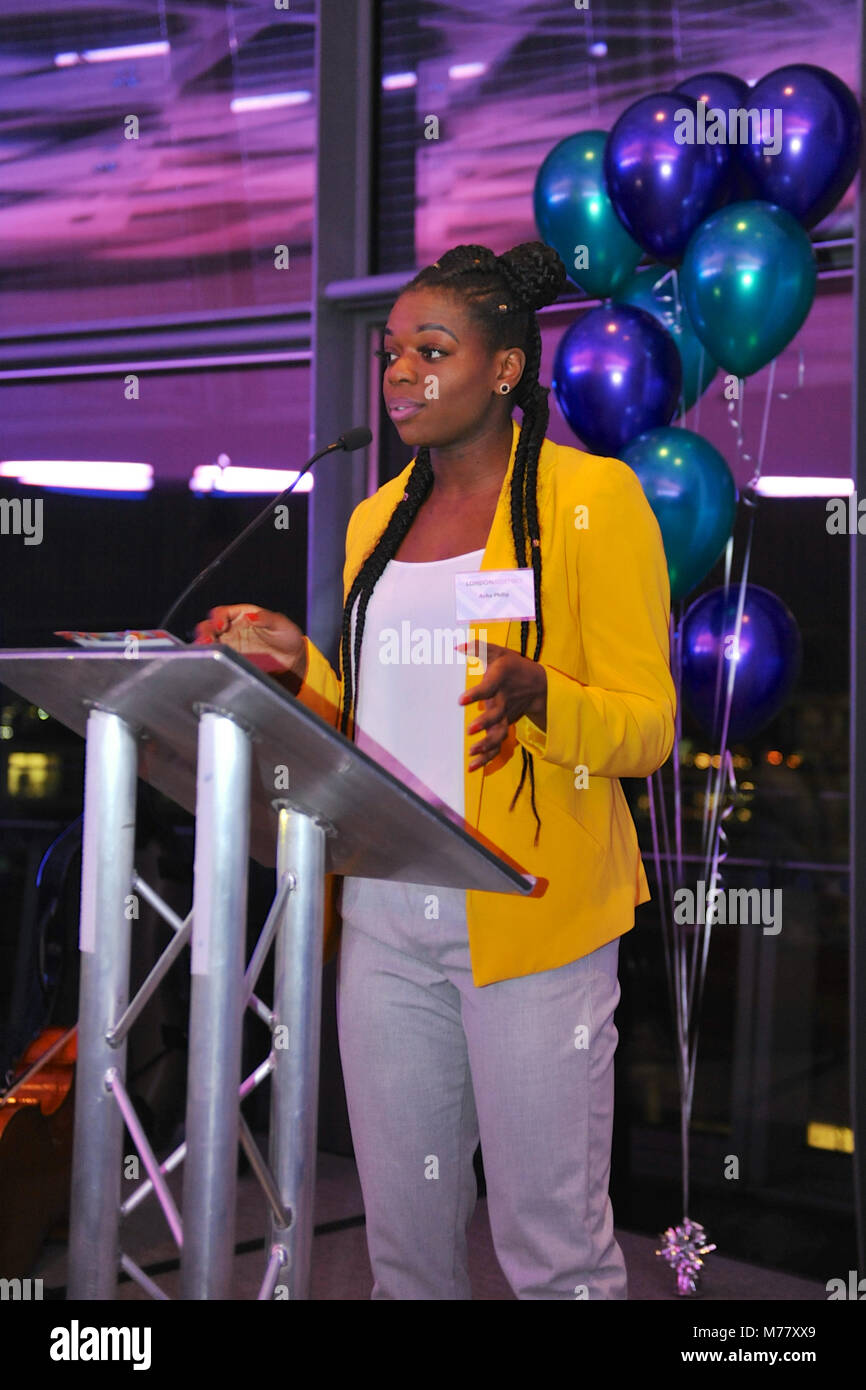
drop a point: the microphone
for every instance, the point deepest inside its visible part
(357, 438)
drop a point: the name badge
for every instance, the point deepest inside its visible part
(495, 595)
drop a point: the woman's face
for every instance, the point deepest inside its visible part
(440, 383)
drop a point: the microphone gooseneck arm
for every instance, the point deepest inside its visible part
(356, 438)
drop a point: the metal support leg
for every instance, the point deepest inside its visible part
(297, 1009)
(106, 881)
(216, 1007)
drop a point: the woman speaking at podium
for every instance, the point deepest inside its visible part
(464, 1014)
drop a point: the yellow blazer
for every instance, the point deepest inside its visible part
(610, 712)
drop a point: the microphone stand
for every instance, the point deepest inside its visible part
(352, 439)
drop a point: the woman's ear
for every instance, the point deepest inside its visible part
(511, 365)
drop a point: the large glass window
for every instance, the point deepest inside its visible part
(157, 156)
(156, 226)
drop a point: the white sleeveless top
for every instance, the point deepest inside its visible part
(407, 712)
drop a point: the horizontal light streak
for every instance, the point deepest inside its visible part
(397, 81)
(101, 475)
(118, 54)
(208, 477)
(786, 486)
(268, 101)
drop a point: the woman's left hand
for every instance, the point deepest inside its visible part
(511, 686)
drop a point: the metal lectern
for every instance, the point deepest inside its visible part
(264, 776)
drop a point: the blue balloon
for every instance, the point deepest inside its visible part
(820, 141)
(573, 212)
(692, 493)
(644, 290)
(616, 373)
(662, 183)
(770, 655)
(721, 91)
(717, 89)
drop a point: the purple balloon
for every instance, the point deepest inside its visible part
(820, 141)
(721, 91)
(663, 188)
(616, 373)
(770, 652)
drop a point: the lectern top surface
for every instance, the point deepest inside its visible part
(378, 827)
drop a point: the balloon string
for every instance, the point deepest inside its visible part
(701, 359)
(672, 937)
(701, 945)
(801, 369)
(678, 337)
(686, 968)
(715, 813)
(677, 655)
(766, 420)
(720, 666)
(662, 814)
(705, 938)
(682, 1017)
(675, 970)
(715, 794)
(666, 935)
(715, 881)
(673, 933)
(729, 550)
(741, 395)
(683, 1057)
(665, 833)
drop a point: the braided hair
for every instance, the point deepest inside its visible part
(501, 295)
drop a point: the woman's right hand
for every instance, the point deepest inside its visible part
(269, 640)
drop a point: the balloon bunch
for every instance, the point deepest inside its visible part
(732, 279)
(727, 218)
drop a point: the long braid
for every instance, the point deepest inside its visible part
(532, 397)
(502, 293)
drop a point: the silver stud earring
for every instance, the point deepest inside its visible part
(504, 387)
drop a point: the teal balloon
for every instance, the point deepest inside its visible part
(573, 211)
(748, 280)
(698, 367)
(693, 495)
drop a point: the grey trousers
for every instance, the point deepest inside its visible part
(431, 1062)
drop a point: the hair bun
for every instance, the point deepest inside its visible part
(535, 273)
